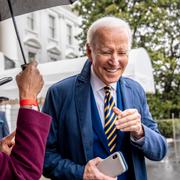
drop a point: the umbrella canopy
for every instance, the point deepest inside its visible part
(25, 6)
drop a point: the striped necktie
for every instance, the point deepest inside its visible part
(110, 119)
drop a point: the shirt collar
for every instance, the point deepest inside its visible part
(97, 84)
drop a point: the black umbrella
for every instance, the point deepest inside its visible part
(11, 8)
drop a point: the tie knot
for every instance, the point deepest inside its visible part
(107, 89)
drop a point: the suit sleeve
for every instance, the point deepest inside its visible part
(55, 166)
(154, 146)
(5, 127)
(26, 159)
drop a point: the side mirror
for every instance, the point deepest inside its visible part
(5, 80)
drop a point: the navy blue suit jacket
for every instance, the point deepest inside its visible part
(70, 140)
(4, 129)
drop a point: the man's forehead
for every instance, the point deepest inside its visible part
(107, 45)
(113, 29)
(110, 34)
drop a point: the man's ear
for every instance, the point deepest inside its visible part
(88, 52)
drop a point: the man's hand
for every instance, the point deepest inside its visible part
(7, 143)
(91, 171)
(29, 82)
(129, 121)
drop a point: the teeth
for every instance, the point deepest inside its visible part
(111, 70)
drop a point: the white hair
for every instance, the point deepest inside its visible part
(109, 21)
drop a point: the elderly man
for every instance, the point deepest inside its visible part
(99, 112)
(27, 155)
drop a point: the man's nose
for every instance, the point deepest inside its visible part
(115, 58)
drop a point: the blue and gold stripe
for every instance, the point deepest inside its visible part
(110, 119)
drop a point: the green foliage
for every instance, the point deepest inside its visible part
(161, 107)
(155, 26)
(166, 127)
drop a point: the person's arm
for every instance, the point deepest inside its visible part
(26, 159)
(154, 146)
(143, 129)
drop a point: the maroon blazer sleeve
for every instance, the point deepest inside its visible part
(27, 156)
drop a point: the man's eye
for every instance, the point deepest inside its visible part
(106, 52)
(122, 53)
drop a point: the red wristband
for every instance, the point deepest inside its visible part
(27, 102)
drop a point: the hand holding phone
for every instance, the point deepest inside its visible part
(113, 165)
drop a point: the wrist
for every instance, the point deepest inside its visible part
(29, 104)
(25, 95)
(139, 134)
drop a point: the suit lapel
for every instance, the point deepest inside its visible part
(124, 94)
(97, 125)
(83, 105)
(127, 94)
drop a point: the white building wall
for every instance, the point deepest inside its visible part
(38, 40)
(8, 40)
(1, 62)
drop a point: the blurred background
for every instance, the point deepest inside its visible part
(56, 37)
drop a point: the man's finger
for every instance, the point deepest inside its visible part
(97, 160)
(117, 111)
(128, 112)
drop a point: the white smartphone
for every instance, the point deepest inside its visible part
(114, 165)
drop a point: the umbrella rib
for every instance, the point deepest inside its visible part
(17, 33)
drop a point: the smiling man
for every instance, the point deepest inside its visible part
(99, 112)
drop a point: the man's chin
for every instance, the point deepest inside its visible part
(109, 81)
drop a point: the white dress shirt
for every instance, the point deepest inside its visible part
(99, 94)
